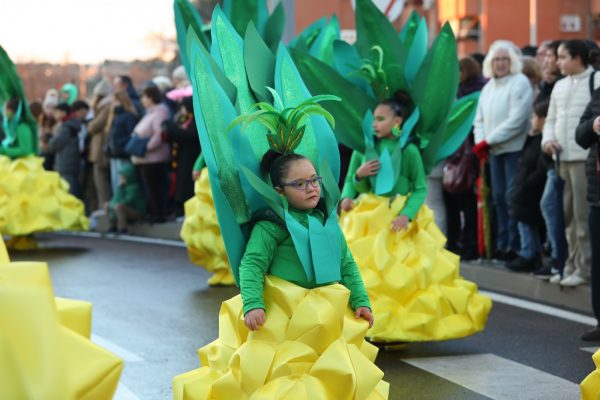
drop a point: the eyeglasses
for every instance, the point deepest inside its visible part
(499, 59)
(303, 184)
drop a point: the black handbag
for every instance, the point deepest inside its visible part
(136, 146)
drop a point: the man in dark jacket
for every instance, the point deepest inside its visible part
(65, 142)
(588, 136)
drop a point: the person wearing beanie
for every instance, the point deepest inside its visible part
(68, 93)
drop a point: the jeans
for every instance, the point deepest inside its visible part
(594, 226)
(530, 241)
(503, 168)
(73, 181)
(115, 166)
(552, 211)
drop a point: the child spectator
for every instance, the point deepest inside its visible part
(128, 203)
(529, 187)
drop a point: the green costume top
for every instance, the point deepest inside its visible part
(271, 250)
(412, 177)
(23, 144)
(130, 193)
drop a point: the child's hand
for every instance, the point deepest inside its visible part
(369, 168)
(364, 313)
(346, 204)
(401, 222)
(254, 319)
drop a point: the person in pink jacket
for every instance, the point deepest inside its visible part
(154, 165)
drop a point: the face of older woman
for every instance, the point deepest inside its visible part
(501, 63)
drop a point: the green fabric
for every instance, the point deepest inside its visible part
(271, 250)
(23, 145)
(71, 89)
(129, 193)
(200, 163)
(412, 180)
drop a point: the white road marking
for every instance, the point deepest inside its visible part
(498, 378)
(115, 348)
(127, 238)
(541, 308)
(123, 393)
(590, 349)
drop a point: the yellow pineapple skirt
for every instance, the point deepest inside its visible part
(413, 283)
(310, 347)
(201, 234)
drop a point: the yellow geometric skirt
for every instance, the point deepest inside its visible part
(45, 351)
(35, 200)
(413, 283)
(590, 386)
(201, 234)
(310, 347)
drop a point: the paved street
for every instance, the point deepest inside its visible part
(153, 307)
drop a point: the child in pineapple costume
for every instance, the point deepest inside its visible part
(413, 281)
(200, 231)
(297, 329)
(31, 198)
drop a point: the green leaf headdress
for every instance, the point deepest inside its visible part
(286, 125)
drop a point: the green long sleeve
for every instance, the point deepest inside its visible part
(23, 144)
(270, 249)
(413, 172)
(200, 163)
(349, 191)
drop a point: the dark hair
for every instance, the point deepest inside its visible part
(13, 103)
(553, 46)
(529, 50)
(277, 165)
(126, 80)
(79, 105)
(63, 107)
(400, 103)
(153, 94)
(470, 67)
(540, 108)
(479, 57)
(35, 107)
(578, 48)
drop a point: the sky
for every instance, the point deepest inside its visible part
(83, 31)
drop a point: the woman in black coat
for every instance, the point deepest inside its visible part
(587, 136)
(184, 135)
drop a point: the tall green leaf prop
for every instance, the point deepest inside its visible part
(241, 12)
(187, 16)
(274, 27)
(434, 92)
(459, 125)
(11, 86)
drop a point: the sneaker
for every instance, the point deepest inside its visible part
(573, 280)
(556, 278)
(522, 264)
(591, 336)
(544, 273)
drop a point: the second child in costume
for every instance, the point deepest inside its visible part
(128, 204)
(413, 282)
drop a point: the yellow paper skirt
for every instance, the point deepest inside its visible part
(202, 236)
(311, 347)
(414, 284)
(35, 200)
(590, 386)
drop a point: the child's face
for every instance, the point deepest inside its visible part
(537, 123)
(301, 198)
(384, 120)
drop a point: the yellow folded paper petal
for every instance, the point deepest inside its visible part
(414, 284)
(75, 315)
(311, 346)
(590, 386)
(35, 200)
(46, 360)
(202, 236)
